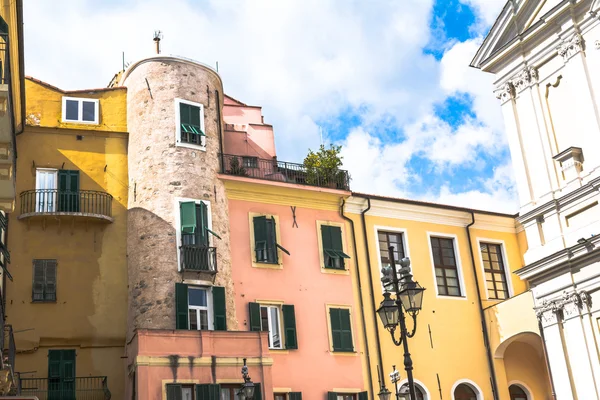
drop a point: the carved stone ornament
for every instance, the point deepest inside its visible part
(525, 78)
(569, 48)
(505, 92)
(568, 305)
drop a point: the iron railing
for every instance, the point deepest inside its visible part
(198, 258)
(79, 388)
(4, 60)
(282, 171)
(9, 349)
(51, 201)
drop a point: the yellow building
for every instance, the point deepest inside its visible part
(477, 334)
(67, 303)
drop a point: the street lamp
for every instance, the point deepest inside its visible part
(409, 299)
(246, 392)
(384, 393)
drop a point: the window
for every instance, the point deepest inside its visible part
(333, 249)
(84, 111)
(495, 273)
(200, 308)
(56, 190)
(341, 330)
(516, 393)
(250, 162)
(404, 393)
(206, 391)
(266, 317)
(464, 392)
(446, 272)
(190, 123)
(265, 240)
(44, 280)
(288, 396)
(61, 374)
(347, 396)
(387, 239)
(229, 392)
(195, 251)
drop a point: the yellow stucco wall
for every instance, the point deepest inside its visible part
(89, 314)
(10, 10)
(455, 349)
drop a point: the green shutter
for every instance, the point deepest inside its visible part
(257, 392)
(174, 392)
(188, 216)
(68, 190)
(208, 392)
(254, 316)
(184, 113)
(219, 308)
(260, 238)
(326, 236)
(181, 306)
(203, 224)
(68, 359)
(54, 360)
(346, 330)
(336, 329)
(363, 396)
(195, 116)
(336, 241)
(295, 396)
(289, 326)
(331, 396)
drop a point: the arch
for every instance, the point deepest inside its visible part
(529, 337)
(524, 387)
(420, 385)
(469, 383)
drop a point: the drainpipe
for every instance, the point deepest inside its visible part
(368, 254)
(219, 128)
(482, 313)
(360, 298)
(541, 328)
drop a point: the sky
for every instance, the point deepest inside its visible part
(389, 81)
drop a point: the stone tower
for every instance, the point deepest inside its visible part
(171, 162)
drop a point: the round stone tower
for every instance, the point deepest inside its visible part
(171, 162)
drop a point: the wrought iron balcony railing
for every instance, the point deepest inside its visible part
(198, 258)
(282, 171)
(4, 60)
(79, 388)
(9, 349)
(65, 202)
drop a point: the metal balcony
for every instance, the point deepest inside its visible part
(79, 388)
(52, 202)
(198, 258)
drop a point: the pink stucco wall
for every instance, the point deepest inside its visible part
(311, 369)
(245, 131)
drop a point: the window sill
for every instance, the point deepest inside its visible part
(279, 351)
(334, 271)
(191, 146)
(43, 301)
(449, 297)
(264, 265)
(343, 353)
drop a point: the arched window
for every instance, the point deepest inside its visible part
(517, 393)
(403, 393)
(464, 392)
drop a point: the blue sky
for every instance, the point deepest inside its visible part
(388, 80)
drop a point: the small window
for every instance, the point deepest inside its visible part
(250, 162)
(80, 110)
(270, 322)
(333, 250)
(190, 123)
(265, 240)
(404, 392)
(495, 272)
(446, 271)
(464, 392)
(341, 330)
(517, 393)
(200, 312)
(44, 281)
(347, 396)
(280, 396)
(200, 308)
(279, 321)
(387, 240)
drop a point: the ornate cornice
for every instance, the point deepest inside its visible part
(524, 79)
(569, 305)
(505, 92)
(568, 48)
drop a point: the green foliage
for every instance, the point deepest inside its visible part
(323, 167)
(235, 168)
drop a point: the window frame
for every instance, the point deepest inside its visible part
(419, 385)
(38, 201)
(459, 269)
(506, 266)
(209, 307)
(44, 300)
(80, 101)
(347, 262)
(390, 229)
(469, 383)
(328, 307)
(178, 201)
(262, 264)
(277, 307)
(178, 141)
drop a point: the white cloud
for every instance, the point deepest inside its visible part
(486, 10)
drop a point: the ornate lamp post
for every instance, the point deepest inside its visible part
(384, 393)
(247, 390)
(409, 299)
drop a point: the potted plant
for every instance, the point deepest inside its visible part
(235, 168)
(323, 166)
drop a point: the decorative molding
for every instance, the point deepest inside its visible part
(570, 304)
(524, 79)
(597, 44)
(505, 92)
(568, 48)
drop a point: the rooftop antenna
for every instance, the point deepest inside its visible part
(157, 37)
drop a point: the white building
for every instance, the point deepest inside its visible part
(545, 56)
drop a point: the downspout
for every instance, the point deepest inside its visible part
(218, 105)
(482, 313)
(541, 328)
(360, 297)
(368, 254)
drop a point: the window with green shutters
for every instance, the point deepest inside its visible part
(195, 251)
(193, 307)
(265, 240)
(191, 123)
(68, 191)
(295, 396)
(333, 249)
(341, 329)
(61, 374)
(264, 317)
(44, 281)
(347, 396)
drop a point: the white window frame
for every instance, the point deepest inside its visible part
(178, 141)
(209, 306)
(178, 201)
(54, 172)
(470, 383)
(459, 271)
(404, 234)
(480, 240)
(270, 323)
(80, 101)
(421, 386)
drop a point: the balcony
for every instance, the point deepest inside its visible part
(88, 204)
(281, 171)
(198, 258)
(79, 388)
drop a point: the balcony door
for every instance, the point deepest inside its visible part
(68, 191)
(46, 181)
(61, 374)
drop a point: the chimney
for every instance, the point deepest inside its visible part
(157, 37)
